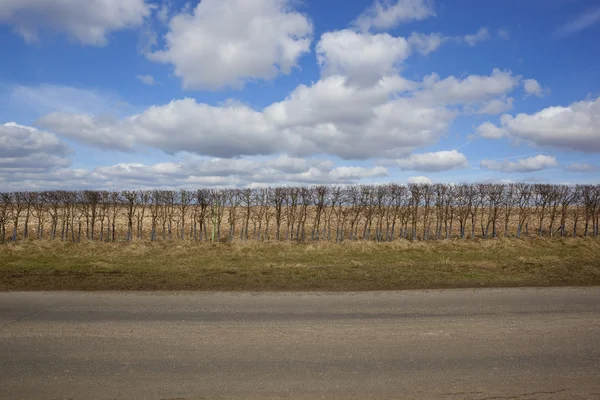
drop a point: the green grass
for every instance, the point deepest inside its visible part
(45, 265)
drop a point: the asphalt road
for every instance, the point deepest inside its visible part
(456, 344)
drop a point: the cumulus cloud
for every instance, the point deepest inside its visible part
(575, 127)
(191, 173)
(225, 43)
(490, 131)
(482, 35)
(389, 118)
(362, 57)
(344, 174)
(433, 162)
(473, 88)
(329, 117)
(103, 132)
(530, 164)
(532, 87)
(497, 106)
(583, 167)
(88, 22)
(419, 180)
(386, 14)
(146, 79)
(25, 148)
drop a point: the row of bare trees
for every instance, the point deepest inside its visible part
(332, 213)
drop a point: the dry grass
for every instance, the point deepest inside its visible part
(181, 265)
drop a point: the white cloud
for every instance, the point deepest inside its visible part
(165, 11)
(390, 118)
(229, 42)
(583, 167)
(88, 22)
(362, 57)
(146, 79)
(530, 164)
(497, 106)
(532, 87)
(25, 148)
(385, 14)
(426, 43)
(419, 180)
(473, 88)
(490, 131)
(433, 162)
(190, 173)
(330, 117)
(482, 35)
(575, 127)
(342, 174)
(583, 21)
(103, 132)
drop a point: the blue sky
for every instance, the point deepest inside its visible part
(143, 94)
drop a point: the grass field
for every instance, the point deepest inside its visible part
(256, 266)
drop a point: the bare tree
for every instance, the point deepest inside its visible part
(439, 200)
(428, 192)
(155, 213)
(542, 196)
(185, 199)
(449, 210)
(202, 204)
(168, 213)
(30, 200)
(91, 199)
(19, 202)
(463, 207)
(115, 200)
(566, 195)
(340, 211)
(589, 195)
(278, 197)
(291, 207)
(217, 208)
(5, 213)
(355, 197)
(131, 203)
(40, 214)
(320, 194)
(306, 197)
(508, 204)
(495, 198)
(143, 202)
(473, 200)
(233, 197)
(246, 202)
(524, 195)
(416, 191)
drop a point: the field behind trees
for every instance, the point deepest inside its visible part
(302, 238)
(321, 213)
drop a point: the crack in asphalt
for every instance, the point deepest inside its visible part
(31, 314)
(518, 396)
(459, 393)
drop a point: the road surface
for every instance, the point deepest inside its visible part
(455, 344)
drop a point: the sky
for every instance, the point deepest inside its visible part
(143, 94)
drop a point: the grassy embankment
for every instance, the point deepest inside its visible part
(45, 265)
